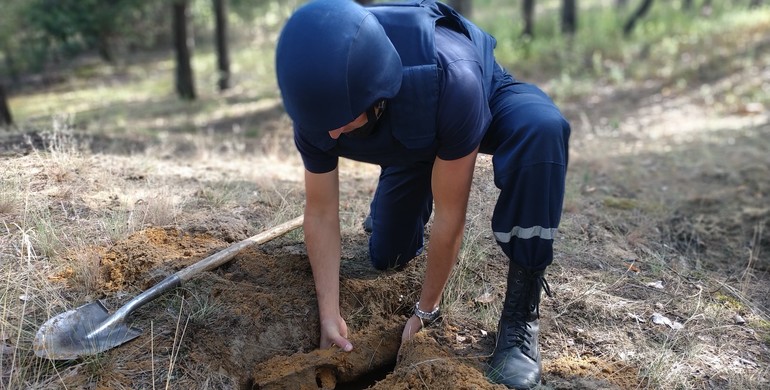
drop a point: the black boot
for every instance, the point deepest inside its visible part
(516, 360)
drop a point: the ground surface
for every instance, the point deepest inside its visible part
(660, 278)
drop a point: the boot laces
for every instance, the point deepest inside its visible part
(518, 334)
(546, 288)
(517, 329)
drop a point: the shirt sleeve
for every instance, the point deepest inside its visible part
(314, 159)
(463, 114)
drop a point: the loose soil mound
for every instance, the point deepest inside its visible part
(143, 256)
(252, 324)
(424, 363)
(376, 348)
(589, 372)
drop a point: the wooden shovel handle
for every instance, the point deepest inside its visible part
(225, 255)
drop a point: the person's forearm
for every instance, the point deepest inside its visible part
(451, 182)
(445, 241)
(322, 237)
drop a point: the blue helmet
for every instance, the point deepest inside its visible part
(333, 62)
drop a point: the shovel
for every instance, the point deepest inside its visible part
(90, 329)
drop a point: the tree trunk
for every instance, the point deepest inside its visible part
(5, 112)
(638, 14)
(569, 17)
(621, 4)
(185, 86)
(706, 9)
(463, 7)
(223, 56)
(755, 4)
(10, 64)
(104, 47)
(528, 10)
(687, 5)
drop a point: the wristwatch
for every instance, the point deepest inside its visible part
(427, 317)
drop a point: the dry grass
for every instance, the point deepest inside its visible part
(10, 200)
(664, 214)
(26, 297)
(608, 254)
(61, 206)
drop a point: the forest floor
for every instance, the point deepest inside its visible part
(659, 281)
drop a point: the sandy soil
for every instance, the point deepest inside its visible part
(258, 325)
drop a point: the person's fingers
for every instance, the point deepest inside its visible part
(412, 327)
(334, 332)
(343, 343)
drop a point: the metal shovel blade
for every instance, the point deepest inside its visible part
(80, 332)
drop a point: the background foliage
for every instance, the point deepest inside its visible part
(39, 34)
(42, 41)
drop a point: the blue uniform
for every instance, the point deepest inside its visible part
(472, 102)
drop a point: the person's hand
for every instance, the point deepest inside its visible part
(334, 331)
(413, 326)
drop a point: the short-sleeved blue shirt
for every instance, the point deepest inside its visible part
(463, 117)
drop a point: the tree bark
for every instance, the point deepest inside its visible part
(10, 64)
(644, 7)
(528, 10)
(223, 54)
(104, 47)
(5, 112)
(569, 17)
(463, 7)
(705, 8)
(185, 85)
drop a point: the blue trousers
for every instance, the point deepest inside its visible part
(528, 141)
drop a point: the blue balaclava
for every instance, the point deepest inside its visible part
(333, 62)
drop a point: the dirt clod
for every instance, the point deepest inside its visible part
(424, 363)
(146, 253)
(375, 347)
